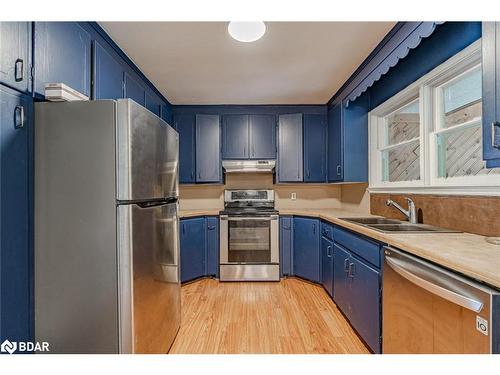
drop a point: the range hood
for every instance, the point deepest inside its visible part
(248, 166)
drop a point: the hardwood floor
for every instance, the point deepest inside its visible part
(290, 316)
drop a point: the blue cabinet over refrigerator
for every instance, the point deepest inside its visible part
(62, 54)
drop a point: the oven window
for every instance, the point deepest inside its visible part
(249, 241)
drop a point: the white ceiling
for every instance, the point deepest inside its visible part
(294, 63)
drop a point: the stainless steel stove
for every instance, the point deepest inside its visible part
(249, 231)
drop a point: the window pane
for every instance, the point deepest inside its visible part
(460, 153)
(401, 163)
(403, 124)
(462, 99)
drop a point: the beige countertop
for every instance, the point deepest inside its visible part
(466, 253)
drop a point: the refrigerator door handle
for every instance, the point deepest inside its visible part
(420, 280)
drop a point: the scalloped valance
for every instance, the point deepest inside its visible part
(420, 31)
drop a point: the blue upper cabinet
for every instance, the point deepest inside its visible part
(153, 102)
(185, 125)
(62, 54)
(249, 137)
(235, 137)
(335, 144)
(348, 141)
(314, 148)
(306, 248)
(290, 152)
(491, 93)
(192, 242)
(15, 215)
(166, 113)
(134, 90)
(262, 136)
(108, 74)
(15, 61)
(208, 165)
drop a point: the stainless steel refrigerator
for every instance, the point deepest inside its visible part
(106, 228)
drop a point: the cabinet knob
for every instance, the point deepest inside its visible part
(346, 265)
(338, 170)
(352, 268)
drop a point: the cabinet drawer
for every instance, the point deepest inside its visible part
(327, 230)
(359, 245)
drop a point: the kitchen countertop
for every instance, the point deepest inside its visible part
(466, 253)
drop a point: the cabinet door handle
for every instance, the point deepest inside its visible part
(352, 268)
(199, 175)
(211, 227)
(19, 70)
(346, 265)
(183, 228)
(19, 117)
(192, 175)
(494, 144)
(338, 170)
(329, 251)
(314, 228)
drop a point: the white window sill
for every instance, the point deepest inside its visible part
(438, 190)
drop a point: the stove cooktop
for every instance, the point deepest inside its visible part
(254, 211)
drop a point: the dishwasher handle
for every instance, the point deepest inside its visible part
(420, 279)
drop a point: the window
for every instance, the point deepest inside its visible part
(429, 137)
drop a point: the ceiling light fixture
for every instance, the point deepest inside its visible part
(246, 31)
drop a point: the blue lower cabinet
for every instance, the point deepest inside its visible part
(286, 245)
(357, 284)
(193, 252)
(212, 230)
(365, 301)
(306, 248)
(341, 293)
(199, 241)
(16, 302)
(327, 265)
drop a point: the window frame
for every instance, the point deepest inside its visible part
(427, 90)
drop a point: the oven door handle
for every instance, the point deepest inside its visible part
(249, 218)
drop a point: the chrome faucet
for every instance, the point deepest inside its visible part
(411, 213)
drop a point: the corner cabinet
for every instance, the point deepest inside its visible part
(15, 62)
(306, 248)
(16, 216)
(199, 247)
(348, 141)
(62, 54)
(491, 93)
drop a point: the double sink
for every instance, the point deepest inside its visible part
(391, 225)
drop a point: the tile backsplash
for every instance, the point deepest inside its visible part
(474, 214)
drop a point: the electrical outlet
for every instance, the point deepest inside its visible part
(293, 196)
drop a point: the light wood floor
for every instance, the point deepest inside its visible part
(290, 316)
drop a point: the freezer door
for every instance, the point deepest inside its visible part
(150, 303)
(147, 154)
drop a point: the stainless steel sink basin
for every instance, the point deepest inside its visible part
(391, 225)
(373, 220)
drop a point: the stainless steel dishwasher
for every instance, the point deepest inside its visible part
(428, 309)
